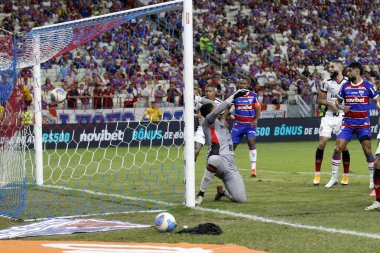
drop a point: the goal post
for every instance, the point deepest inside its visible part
(38, 125)
(187, 21)
(89, 160)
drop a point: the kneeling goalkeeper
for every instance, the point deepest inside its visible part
(220, 155)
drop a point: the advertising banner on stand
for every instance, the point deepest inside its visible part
(165, 133)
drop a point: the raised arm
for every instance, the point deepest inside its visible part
(203, 100)
(213, 115)
(216, 112)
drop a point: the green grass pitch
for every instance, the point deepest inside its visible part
(282, 191)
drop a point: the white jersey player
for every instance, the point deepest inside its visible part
(332, 121)
(199, 137)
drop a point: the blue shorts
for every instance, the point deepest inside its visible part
(238, 132)
(347, 133)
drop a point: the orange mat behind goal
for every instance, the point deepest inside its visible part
(68, 246)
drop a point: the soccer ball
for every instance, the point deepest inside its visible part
(58, 95)
(165, 222)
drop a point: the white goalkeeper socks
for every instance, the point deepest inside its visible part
(253, 158)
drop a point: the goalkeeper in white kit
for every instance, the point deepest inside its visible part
(220, 155)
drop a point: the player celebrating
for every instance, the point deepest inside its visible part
(199, 138)
(332, 120)
(356, 95)
(220, 155)
(247, 113)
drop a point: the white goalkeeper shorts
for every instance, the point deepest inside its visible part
(200, 136)
(329, 125)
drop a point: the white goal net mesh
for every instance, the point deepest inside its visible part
(116, 143)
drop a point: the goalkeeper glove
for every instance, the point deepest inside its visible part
(237, 94)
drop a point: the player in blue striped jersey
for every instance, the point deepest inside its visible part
(356, 95)
(247, 114)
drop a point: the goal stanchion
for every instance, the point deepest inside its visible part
(84, 158)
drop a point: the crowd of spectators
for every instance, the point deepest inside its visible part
(132, 65)
(281, 46)
(34, 13)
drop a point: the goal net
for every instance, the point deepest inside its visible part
(106, 148)
(12, 153)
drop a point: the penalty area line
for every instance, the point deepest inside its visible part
(294, 225)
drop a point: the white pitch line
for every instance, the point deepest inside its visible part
(304, 173)
(295, 225)
(256, 218)
(311, 173)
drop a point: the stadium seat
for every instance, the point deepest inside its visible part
(320, 68)
(311, 68)
(246, 12)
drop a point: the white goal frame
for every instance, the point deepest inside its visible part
(187, 36)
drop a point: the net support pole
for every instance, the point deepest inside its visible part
(38, 124)
(187, 21)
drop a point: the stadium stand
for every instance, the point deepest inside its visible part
(281, 46)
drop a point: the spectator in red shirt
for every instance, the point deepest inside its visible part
(131, 96)
(85, 98)
(97, 97)
(72, 97)
(172, 92)
(108, 94)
